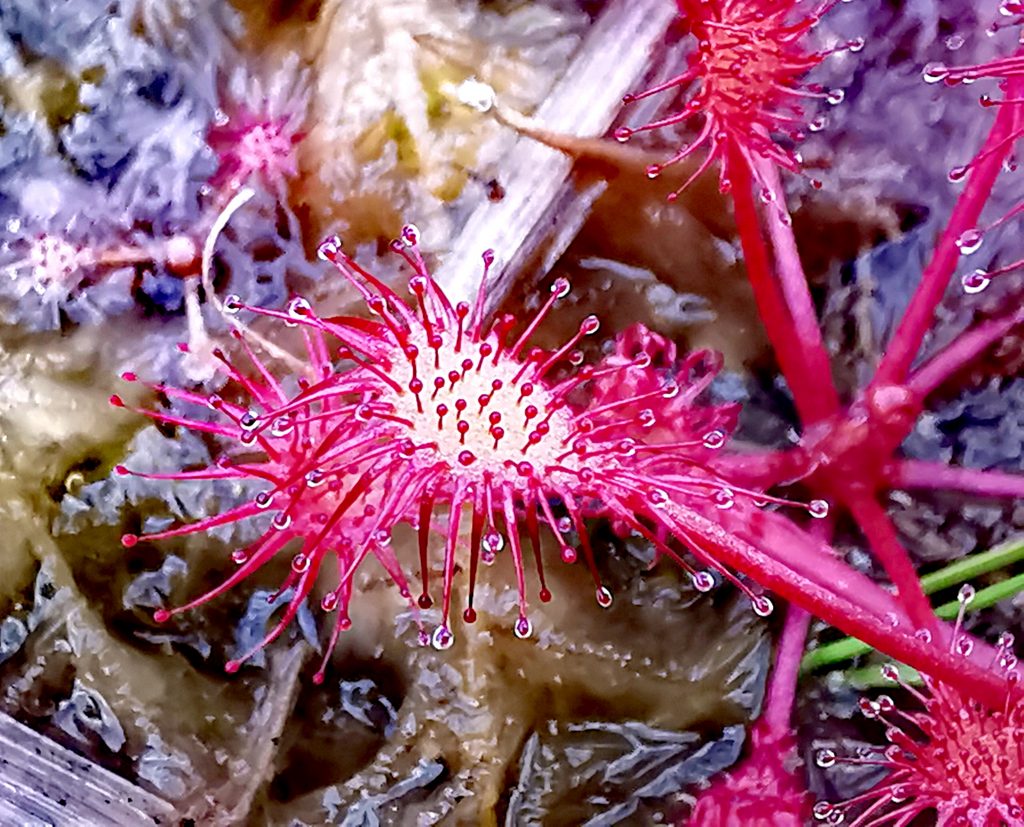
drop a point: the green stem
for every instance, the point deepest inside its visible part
(954, 574)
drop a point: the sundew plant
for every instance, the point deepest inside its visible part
(419, 436)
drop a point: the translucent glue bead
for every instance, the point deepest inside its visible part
(822, 810)
(923, 635)
(966, 594)
(817, 124)
(969, 241)
(825, 758)
(249, 421)
(232, 304)
(1011, 8)
(604, 597)
(329, 248)
(239, 556)
(703, 581)
(657, 497)
(835, 97)
(890, 672)
(885, 704)
(965, 646)
(300, 563)
(1005, 640)
(281, 521)
(299, 308)
(564, 525)
(958, 173)
(523, 628)
(442, 638)
(975, 282)
(329, 602)
(410, 235)
(561, 287)
(493, 542)
(935, 72)
(713, 440)
(263, 499)
(723, 498)
(868, 708)
(762, 605)
(818, 509)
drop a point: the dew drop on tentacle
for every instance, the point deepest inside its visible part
(969, 241)
(657, 497)
(604, 597)
(703, 581)
(825, 758)
(975, 281)
(818, 509)
(714, 440)
(523, 628)
(299, 308)
(329, 248)
(935, 72)
(965, 646)
(724, 498)
(762, 605)
(442, 638)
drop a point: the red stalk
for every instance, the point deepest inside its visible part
(912, 473)
(836, 607)
(805, 382)
(793, 283)
(967, 347)
(778, 705)
(881, 535)
(916, 322)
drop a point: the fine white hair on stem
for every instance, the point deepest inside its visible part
(197, 336)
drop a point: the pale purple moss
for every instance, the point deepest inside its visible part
(133, 184)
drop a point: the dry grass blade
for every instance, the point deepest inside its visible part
(43, 783)
(541, 213)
